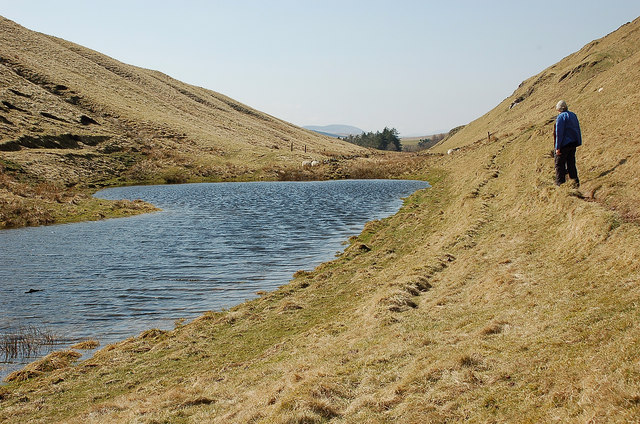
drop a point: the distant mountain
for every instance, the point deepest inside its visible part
(335, 130)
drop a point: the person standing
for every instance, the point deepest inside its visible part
(567, 137)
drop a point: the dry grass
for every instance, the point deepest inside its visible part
(28, 202)
(375, 165)
(76, 118)
(52, 362)
(493, 296)
(86, 345)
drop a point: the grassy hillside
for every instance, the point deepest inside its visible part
(73, 118)
(601, 83)
(494, 296)
(410, 144)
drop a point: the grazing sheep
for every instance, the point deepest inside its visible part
(315, 163)
(306, 163)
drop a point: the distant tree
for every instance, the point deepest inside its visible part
(428, 142)
(390, 140)
(424, 143)
(386, 140)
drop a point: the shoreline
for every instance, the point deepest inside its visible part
(171, 322)
(79, 204)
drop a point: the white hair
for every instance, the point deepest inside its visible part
(561, 106)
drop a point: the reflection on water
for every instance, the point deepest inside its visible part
(212, 246)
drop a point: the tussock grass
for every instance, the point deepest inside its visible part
(52, 362)
(86, 345)
(29, 203)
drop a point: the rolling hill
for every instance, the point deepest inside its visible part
(601, 83)
(72, 117)
(494, 296)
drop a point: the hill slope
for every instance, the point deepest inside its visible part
(601, 83)
(494, 296)
(70, 116)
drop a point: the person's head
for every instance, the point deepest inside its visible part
(562, 106)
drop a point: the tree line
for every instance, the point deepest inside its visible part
(425, 143)
(386, 140)
(428, 142)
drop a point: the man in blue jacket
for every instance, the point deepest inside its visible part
(567, 137)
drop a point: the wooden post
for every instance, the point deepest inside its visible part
(292, 146)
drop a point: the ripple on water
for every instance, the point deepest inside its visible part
(212, 246)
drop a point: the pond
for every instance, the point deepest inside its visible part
(211, 247)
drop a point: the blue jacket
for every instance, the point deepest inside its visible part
(567, 130)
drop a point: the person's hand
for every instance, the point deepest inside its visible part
(558, 152)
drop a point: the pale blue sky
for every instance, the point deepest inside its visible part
(419, 66)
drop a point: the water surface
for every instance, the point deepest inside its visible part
(211, 247)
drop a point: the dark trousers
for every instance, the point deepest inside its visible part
(566, 163)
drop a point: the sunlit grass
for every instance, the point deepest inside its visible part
(493, 296)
